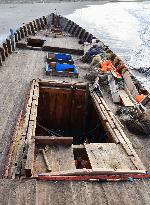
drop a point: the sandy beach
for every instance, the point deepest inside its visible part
(14, 15)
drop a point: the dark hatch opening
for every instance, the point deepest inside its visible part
(69, 113)
(35, 42)
(81, 158)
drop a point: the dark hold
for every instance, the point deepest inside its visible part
(35, 42)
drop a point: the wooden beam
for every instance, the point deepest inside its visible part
(80, 146)
(56, 84)
(30, 159)
(77, 172)
(53, 140)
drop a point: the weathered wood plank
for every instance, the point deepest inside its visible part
(130, 85)
(125, 99)
(53, 140)
(30, 159)
(46, 160)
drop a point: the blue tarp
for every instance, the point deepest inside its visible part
(63, 67)
(63, 56)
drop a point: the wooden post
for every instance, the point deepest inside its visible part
(25, 30)
(71, 25)
(45, 20)
(76, 31)
(67, 24)
(19, 35)
(81, 33)
(22, 32)
(85, 35)
(38, 24)
(35, 25)
(5, 49)
(9, 46)
(89, 38)
(32, 27)
(29, 29)
(73, 29)
(42, 23)
(2, 53)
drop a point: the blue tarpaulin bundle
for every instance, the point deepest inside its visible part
(93, 51)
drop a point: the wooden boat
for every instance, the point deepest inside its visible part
(67, 128)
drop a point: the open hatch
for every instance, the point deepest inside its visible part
(69, 130)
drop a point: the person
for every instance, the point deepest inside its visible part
(12, 37)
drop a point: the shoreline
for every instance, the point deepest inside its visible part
(13, 2)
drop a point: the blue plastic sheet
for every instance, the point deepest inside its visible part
(63, 56)
(62, 67)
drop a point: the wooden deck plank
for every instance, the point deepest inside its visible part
(60, 158)
(108, 156)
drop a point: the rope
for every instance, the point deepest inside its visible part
(49, 131)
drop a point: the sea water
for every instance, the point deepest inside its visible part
(124, 27)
